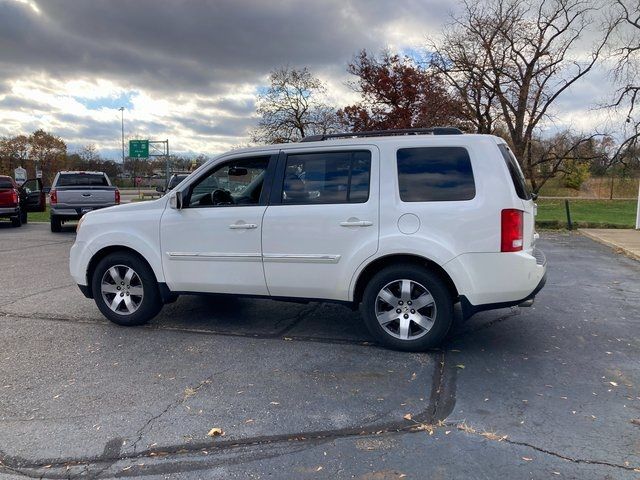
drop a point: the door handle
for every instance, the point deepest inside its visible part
(242, 226)
(357, 223)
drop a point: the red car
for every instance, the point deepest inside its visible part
(16, 200)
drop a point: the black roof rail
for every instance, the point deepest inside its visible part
(385, 133)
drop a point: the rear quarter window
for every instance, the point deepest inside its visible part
(435, 174)
(5, 183)
(517, 177)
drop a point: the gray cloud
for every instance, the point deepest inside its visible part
(190, 51)
(192, 45)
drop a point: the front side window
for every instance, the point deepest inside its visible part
(327, 177)
(238, 182)
(435, 174)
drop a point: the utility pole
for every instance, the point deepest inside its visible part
(122, 118)
(167, 165)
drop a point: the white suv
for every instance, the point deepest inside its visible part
(402, 223)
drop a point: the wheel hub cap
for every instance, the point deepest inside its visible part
(121, 289)
(405, 309)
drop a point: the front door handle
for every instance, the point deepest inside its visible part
(242, 226)
(356, 223)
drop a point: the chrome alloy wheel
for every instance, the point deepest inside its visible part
(405, 309)
(121, 289)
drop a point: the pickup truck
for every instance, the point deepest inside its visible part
(75, 193)
(16, 200)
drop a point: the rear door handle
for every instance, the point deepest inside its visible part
(242, 226)
(357, 223)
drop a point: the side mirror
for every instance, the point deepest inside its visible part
(46, 190)
(534, 196)
(175, 200)
(160, 189)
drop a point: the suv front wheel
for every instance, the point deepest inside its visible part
(125, 289)
(408, 308)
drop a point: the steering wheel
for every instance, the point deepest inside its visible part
(221, 197)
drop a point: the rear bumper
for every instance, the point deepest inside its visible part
(469, 310)
(74, 213)
(9, 211)
(496, 280)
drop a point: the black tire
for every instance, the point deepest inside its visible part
(24, 217)
(150, 302)
(56, 224)
(441, 308)
(17, 220)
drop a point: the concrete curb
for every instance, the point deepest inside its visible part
(615, 246)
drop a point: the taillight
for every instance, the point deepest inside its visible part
(512, 230)
(16, 199)
(117, 197)
(53, 197)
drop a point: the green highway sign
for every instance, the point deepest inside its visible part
(139, 148)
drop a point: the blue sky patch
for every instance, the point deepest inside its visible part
(123, 100)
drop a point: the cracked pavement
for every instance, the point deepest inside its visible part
(302, 392)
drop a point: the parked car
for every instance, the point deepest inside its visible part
(75, 193)
(403, 224)
(17, 200)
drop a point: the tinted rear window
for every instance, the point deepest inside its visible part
(516, 173)
(4, 183)
(435, 174)
(82, 179)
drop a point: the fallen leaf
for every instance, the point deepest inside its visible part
(636, 421)
(614, 384)
(527, 459)
(460, 366)
(408, 416)
(318, 469)
(215, 432)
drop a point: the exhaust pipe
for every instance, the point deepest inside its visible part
(527, 303)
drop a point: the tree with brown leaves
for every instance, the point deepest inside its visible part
(398, 93)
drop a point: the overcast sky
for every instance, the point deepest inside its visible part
(188, 71)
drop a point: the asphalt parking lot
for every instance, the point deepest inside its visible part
(300, 391)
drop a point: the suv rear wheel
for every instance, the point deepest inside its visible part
(407, 307)
(125, 289)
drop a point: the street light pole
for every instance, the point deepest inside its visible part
(122, 117)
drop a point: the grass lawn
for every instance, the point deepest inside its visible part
(587, 213)
(39, 216)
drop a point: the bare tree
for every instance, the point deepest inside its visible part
(626, 52)
(512, 59)
(293, 107)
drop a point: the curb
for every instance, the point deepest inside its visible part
(616, 248)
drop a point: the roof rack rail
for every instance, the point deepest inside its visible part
(385, 133)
